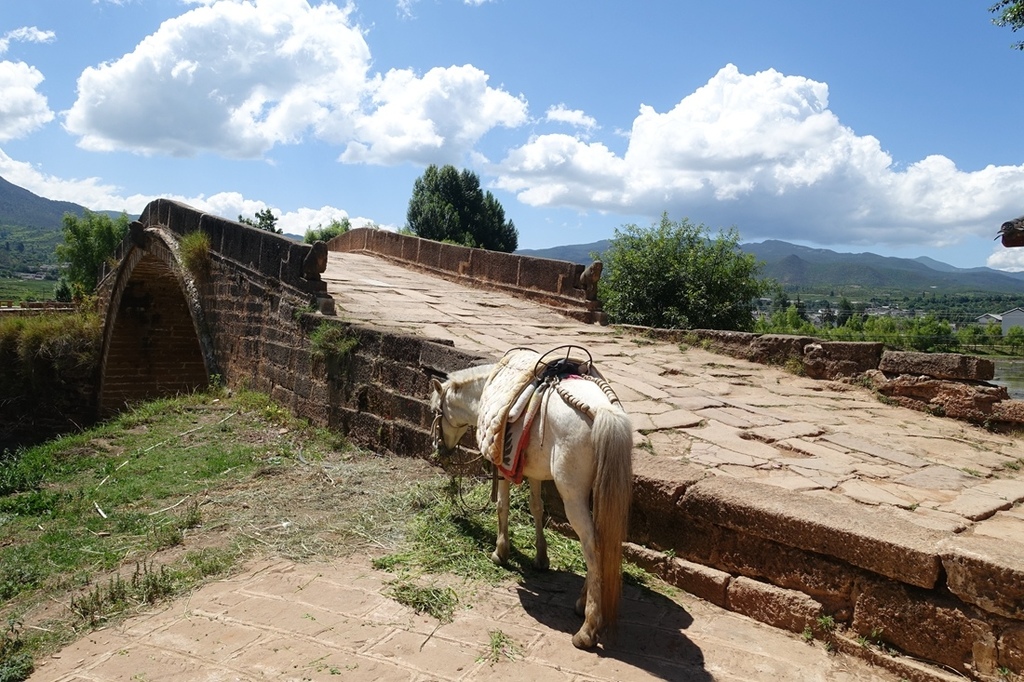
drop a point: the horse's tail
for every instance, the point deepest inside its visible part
(613, 491)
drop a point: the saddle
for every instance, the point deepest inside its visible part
(515, 392)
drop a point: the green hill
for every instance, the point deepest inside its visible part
(824, 273)
(30, 228)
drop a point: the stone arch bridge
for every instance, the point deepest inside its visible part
(784, 497)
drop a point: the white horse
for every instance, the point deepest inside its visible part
(588, 457)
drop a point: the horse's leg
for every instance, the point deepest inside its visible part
(537, 509)
(500, 555)
(577, 510)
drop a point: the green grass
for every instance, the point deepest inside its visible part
(438, 602)
(456, 533)
(500, 646)
(16, 289)
(54, 492)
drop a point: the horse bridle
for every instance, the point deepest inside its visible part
(437, 426)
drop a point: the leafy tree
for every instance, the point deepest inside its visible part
(971, 336)
(328, 233)
(88, 242)
(448, 205)
(1015, 337)
(672, 275)
(265, 220)
(780, 301)
(1011, 13)
(845, 312)
(929, 333)
(993, 333)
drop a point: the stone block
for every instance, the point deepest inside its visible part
(657, 486)
(827, 581)
(837, 359)
(773, 605)
(776, 349)
(986, 572)
(953, 366)
(923, 624)
(704, 582)
(1010, 649)
(493, 266)
(429, 253)
(973, 402)
(875, 539)
(452, 257)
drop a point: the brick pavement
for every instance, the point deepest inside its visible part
(285, 621)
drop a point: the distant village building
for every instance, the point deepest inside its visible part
(1011, 318)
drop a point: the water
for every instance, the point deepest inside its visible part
(1010, 373)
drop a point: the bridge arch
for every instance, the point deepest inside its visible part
(155, 339)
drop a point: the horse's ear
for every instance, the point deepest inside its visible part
(436, 386)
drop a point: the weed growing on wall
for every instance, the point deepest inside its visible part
(333, 343)
(195, 253)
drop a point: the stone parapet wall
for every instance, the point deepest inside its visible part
(554, 283)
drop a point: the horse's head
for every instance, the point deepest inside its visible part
(450, 424)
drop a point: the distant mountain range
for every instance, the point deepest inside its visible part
(855, 275)
(30, 228)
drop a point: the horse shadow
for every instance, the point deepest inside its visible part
(649, 635)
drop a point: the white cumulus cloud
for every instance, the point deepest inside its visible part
(89, 192)
(574, 117)
(764, 152)
(23, 108)
(437, 118)
(237, 78)
(230, 77)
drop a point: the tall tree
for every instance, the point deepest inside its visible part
(672, 275)
(265, 220)
(1011, 13)
(88, 242)
(448, 205)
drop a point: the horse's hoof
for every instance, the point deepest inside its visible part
(496, 559)
(541, 563)
(584, 640)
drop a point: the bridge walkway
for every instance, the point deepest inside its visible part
(691, 408)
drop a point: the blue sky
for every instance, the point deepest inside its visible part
(890, 127)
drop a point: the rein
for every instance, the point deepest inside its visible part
(436, 434)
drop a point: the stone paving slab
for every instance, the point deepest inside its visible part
(334, 621)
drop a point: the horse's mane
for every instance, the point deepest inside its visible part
(459, 378)
(470, 374)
